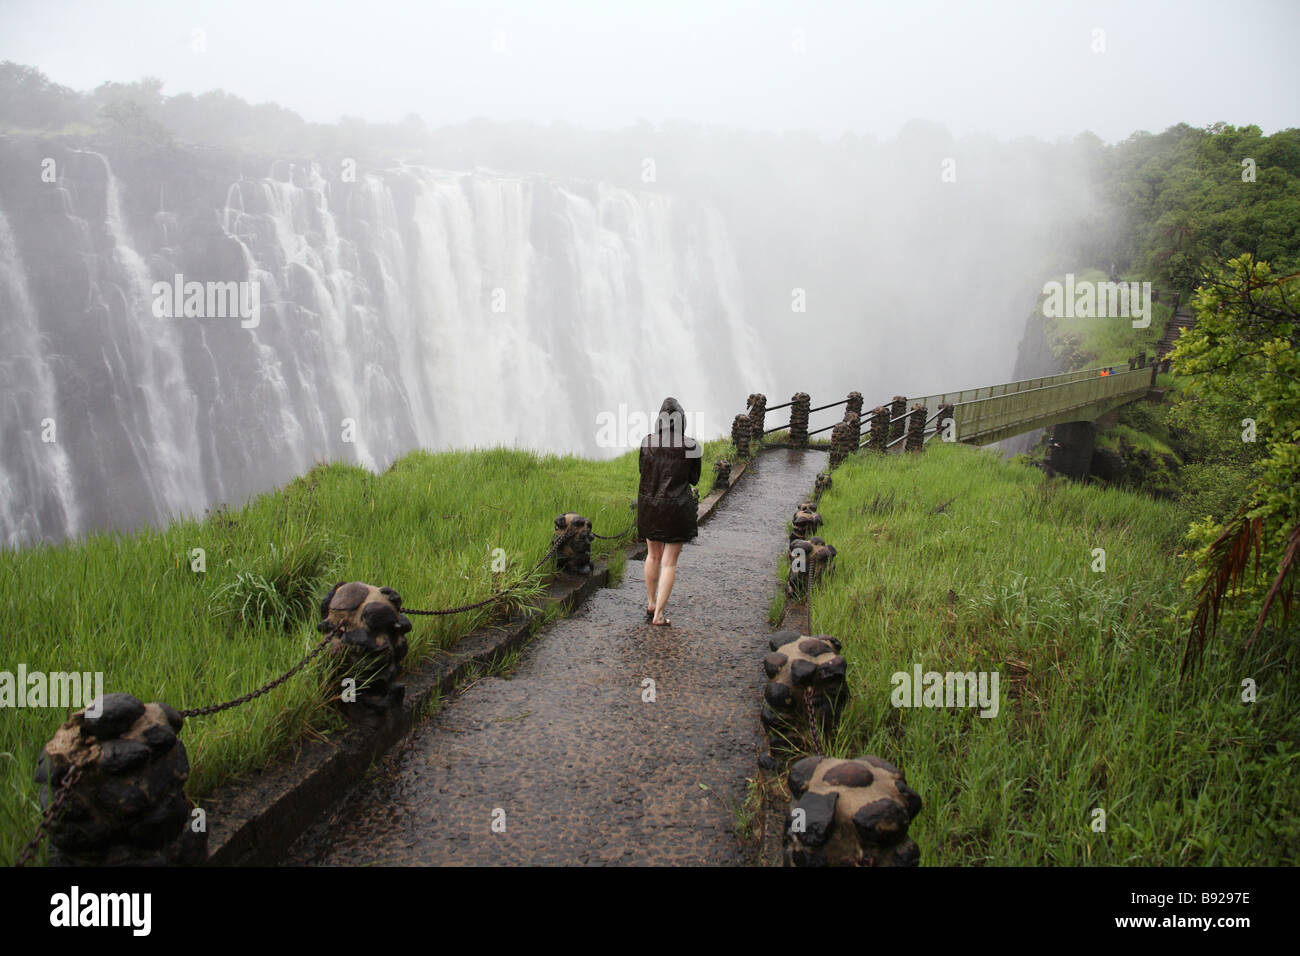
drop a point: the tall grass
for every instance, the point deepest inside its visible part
(1093, 712)
(131, 606)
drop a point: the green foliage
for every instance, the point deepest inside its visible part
(132, 607)
(1187, 773)
(1242, 360)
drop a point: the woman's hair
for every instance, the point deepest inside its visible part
(670, 430)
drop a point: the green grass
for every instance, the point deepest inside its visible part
(1117, 436)
(1088, 342)
(131, 607)
(1093, 713)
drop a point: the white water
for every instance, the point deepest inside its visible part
(429, 308)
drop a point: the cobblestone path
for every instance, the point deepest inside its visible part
(584, 770)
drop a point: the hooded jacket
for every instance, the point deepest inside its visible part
(670, 465)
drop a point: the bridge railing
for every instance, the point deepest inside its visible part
(981, 415)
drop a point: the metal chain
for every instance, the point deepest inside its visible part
(813, 737)
(265, 688)
(500, 594)
(614, 537)
(65, 787)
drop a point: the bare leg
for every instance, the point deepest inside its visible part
(654, 552)
(667, 575)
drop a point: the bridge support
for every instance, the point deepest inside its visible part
(1070, 449)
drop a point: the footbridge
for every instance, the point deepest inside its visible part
(974, 416)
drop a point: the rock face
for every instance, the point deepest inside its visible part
(574, 555)
(368, 646)
(850, 813)
(129, 807)
(805, 690)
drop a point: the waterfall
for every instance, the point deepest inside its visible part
(411, 307)
(36, 490)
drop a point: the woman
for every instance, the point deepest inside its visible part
(665, 514)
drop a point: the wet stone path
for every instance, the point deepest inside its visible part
(566, 754)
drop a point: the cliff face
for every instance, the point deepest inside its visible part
(1034, 358)
(333, 316)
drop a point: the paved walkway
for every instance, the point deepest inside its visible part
(584, 770)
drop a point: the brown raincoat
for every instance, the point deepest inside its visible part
(665, 506)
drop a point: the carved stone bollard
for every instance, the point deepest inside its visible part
(853, 440)
(915, 428)
(897, 422)
(804, 674)
(806, 521)
(941, 422)
(823, 484)
(879, 427)
(129, 807)
(721, 473)
(757, 406)
(574, 555)
(839, 441)
(810, 559)
(799, 419)
(740, 428)
(849, 813)
(368, 646)
(854, 404)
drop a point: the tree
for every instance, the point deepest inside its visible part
(1243, 357)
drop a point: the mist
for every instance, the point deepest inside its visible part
(468, 227)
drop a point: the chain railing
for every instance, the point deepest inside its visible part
(73, 775)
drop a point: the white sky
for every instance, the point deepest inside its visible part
(1010, 68)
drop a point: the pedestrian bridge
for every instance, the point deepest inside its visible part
(989, 414)
(974, 416)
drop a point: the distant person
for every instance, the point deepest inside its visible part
(665, 514)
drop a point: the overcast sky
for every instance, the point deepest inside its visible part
(1011, 68)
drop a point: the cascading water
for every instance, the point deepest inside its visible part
(35, 474)
(410, 308)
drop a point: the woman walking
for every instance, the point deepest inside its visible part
(665, 514)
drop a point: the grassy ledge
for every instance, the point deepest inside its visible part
(1093, 712)
(132, 607)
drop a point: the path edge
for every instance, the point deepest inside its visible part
(254, 818)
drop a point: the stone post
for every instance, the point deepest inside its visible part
(369, 644)
(941, 423)
(805, 693)
(799, 419)
(740, 435)
(915, 428)
(853, 433)
(896, 410)
(574, 555)
(849, 813)
(839, 441)
(128, 808)
(879, 427)
(757, 417)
